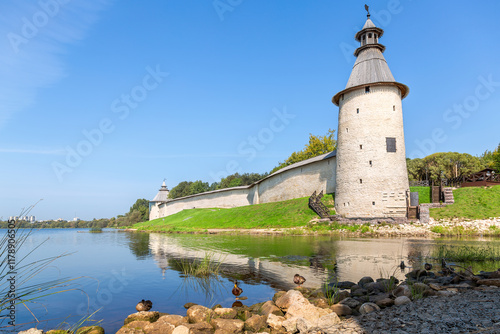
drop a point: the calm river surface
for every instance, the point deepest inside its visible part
(118, 269)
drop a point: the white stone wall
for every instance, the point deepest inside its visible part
(299, 182)
(296, 182)
(225, 198)
(154, 211)
(371, 182)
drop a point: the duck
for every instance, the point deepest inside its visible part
(144, 305)
(427, 266)
(299, 280)
(402, 265)
(236, 290)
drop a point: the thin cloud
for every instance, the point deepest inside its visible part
(32, 151)
(32, 39)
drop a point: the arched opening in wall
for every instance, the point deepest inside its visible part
(371, 163)
(373, 203)
(367, 89)
(360, 180)
(360, 147)
(357, 111)
(393, 108)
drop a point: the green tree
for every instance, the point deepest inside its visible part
(197, 187)
(496, 159)
(180, 190)
(317, 145)
(142, 207)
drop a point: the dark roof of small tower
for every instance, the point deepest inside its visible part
(370, 67)
(162, 195)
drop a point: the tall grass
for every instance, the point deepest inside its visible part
(25, 269)
(467, 253)
(209, 265)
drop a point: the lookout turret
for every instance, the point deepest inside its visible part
(371, 177)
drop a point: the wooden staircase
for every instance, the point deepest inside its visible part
(317, 206)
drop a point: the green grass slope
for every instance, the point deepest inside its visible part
(424, 194)
(291, 213)
(471, 203)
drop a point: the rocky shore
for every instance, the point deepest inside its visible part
(426, 302)
(380, 228)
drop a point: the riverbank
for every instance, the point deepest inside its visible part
(426, 302)
(434, 228)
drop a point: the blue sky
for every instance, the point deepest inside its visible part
(101, 100)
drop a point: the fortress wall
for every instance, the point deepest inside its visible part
(226, 198)
(297, 182)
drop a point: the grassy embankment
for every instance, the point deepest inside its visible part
(286, 214)
(424, 194)
(470, 204)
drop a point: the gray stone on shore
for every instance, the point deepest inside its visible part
(341, 309)
(368, 308)
(402, 300)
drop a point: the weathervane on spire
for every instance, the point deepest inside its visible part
(367, 11)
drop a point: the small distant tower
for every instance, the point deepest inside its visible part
(160, 198)
(371, 177)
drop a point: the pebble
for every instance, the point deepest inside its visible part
(471, 311)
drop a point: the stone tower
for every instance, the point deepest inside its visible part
(372, 180)
(155, 206)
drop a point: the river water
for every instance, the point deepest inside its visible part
(116, 269)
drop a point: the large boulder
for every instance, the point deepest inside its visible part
(341, 295)
(198, 313)
(143, 316)
(255, 323)
(228, 326)
(290, 325)
(200, 328)
(225, 313)
(90, 330)
(181, 330)
(165, 324)
(341, 309)
(127, 330)
(288, 299)
(302, 308)
(275, 322)
(326, 324)
(351, 302)
(363, 281)
(278, 294)
(270, 308)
